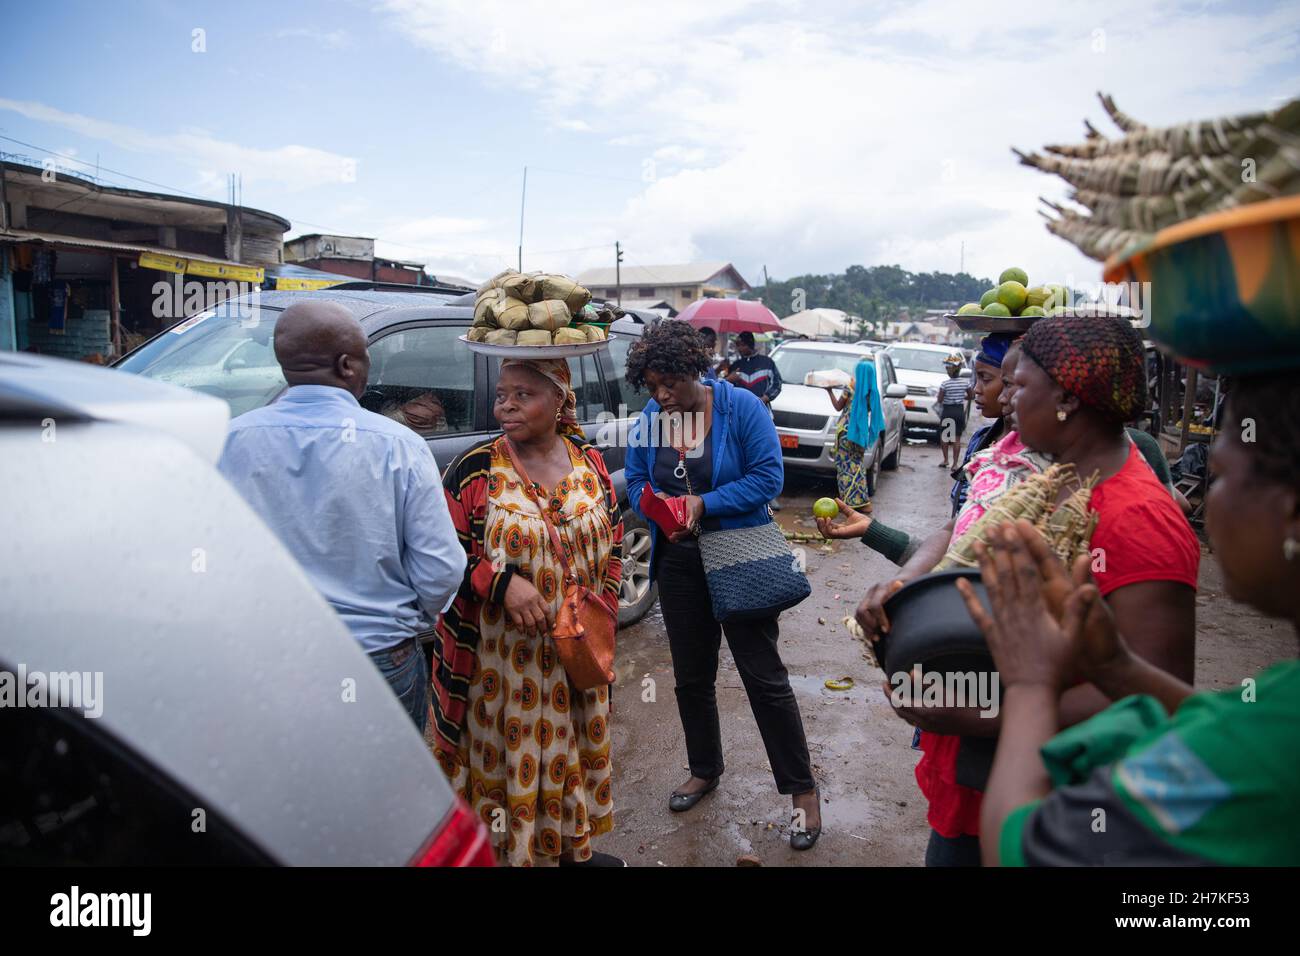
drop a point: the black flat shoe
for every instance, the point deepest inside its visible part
(681, 802)
(805, 839)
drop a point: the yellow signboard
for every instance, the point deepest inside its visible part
(199, 267)
(302, 285)
(220, 270)
(151, 260)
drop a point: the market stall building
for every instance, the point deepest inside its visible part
(353, 256)
(89, 270)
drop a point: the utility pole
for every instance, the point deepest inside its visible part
(767, 283)
(618, 272)
(523, 196)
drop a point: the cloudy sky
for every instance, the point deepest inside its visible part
(800, 136)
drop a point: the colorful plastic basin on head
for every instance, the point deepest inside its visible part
(1224, 290)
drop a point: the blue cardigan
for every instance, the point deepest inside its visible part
(747, 468)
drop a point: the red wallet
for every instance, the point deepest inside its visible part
(668, 513)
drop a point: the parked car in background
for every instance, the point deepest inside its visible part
(805, 418)
(919, 366)
(238, 720)
(421, 374)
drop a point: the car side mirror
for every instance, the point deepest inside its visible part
(896, 391)
(965, 373)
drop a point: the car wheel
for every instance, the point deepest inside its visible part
(892, 462)
(636, 593)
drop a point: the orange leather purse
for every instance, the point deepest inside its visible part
(584, 626)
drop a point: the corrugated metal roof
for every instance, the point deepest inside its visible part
(27, 235)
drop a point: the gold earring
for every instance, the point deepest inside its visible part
(559, 413)
(1061, 415)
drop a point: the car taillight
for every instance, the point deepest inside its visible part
(460, 840)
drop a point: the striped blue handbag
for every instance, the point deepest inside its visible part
(751, 572)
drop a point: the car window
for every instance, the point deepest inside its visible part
(69, 795)
(634, 399)
(424, 378)
(795, 364)
(918, 360)
(587, 387)
(226, 352)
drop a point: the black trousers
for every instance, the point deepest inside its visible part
(695, 638)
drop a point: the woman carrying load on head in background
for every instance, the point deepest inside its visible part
(1184, 778)
(861, 422)
(1076, 382)
(511, 732)
(954, 393)
(898, 545)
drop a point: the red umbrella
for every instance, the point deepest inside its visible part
(730, 315)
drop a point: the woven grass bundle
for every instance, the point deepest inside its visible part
(1151, 178)
(1067, 527)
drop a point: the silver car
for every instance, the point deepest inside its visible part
(805, 418)
(210, 706)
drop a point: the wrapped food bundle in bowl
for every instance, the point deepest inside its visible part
(828, 378)
(534, 310)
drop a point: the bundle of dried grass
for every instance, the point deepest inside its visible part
(1149, 178)
(1067, 526)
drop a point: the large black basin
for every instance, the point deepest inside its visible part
(929, 625)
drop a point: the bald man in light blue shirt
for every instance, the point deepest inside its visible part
(354, 496)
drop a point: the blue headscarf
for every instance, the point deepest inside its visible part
(993, 348)
(866, 415)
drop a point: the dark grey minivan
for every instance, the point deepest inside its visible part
(421, 373)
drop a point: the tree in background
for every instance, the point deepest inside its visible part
(876, 293)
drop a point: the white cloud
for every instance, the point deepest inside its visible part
(293, 167)
(810, 136)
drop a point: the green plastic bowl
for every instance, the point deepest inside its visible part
(1225, 288)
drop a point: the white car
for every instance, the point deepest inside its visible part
(805, 418)
(212, 708)
(919, 366)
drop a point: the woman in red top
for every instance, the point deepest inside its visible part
(1078, 380)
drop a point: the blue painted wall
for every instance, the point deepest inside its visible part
(8, 330)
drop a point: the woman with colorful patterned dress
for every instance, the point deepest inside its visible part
(529, 753)
(862, 419)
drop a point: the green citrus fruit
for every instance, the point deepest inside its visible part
(825, 508)
(1012, 294)
(1036, 296)
(987, 297)
(1014, 274)
(998, 309)
(970, 308)
(1056, 297)
(1034, 310)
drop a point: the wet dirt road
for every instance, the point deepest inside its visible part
(872, 812)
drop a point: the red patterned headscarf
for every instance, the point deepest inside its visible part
(557, 372)
(1098, 359)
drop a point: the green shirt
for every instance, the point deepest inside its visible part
(1218, 783)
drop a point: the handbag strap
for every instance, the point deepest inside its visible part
(529, 489)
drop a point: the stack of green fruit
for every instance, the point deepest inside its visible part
(1013, 297)
(536, 308)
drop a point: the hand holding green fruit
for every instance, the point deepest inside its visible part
(855, 525)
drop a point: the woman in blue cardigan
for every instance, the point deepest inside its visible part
(726, 462)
